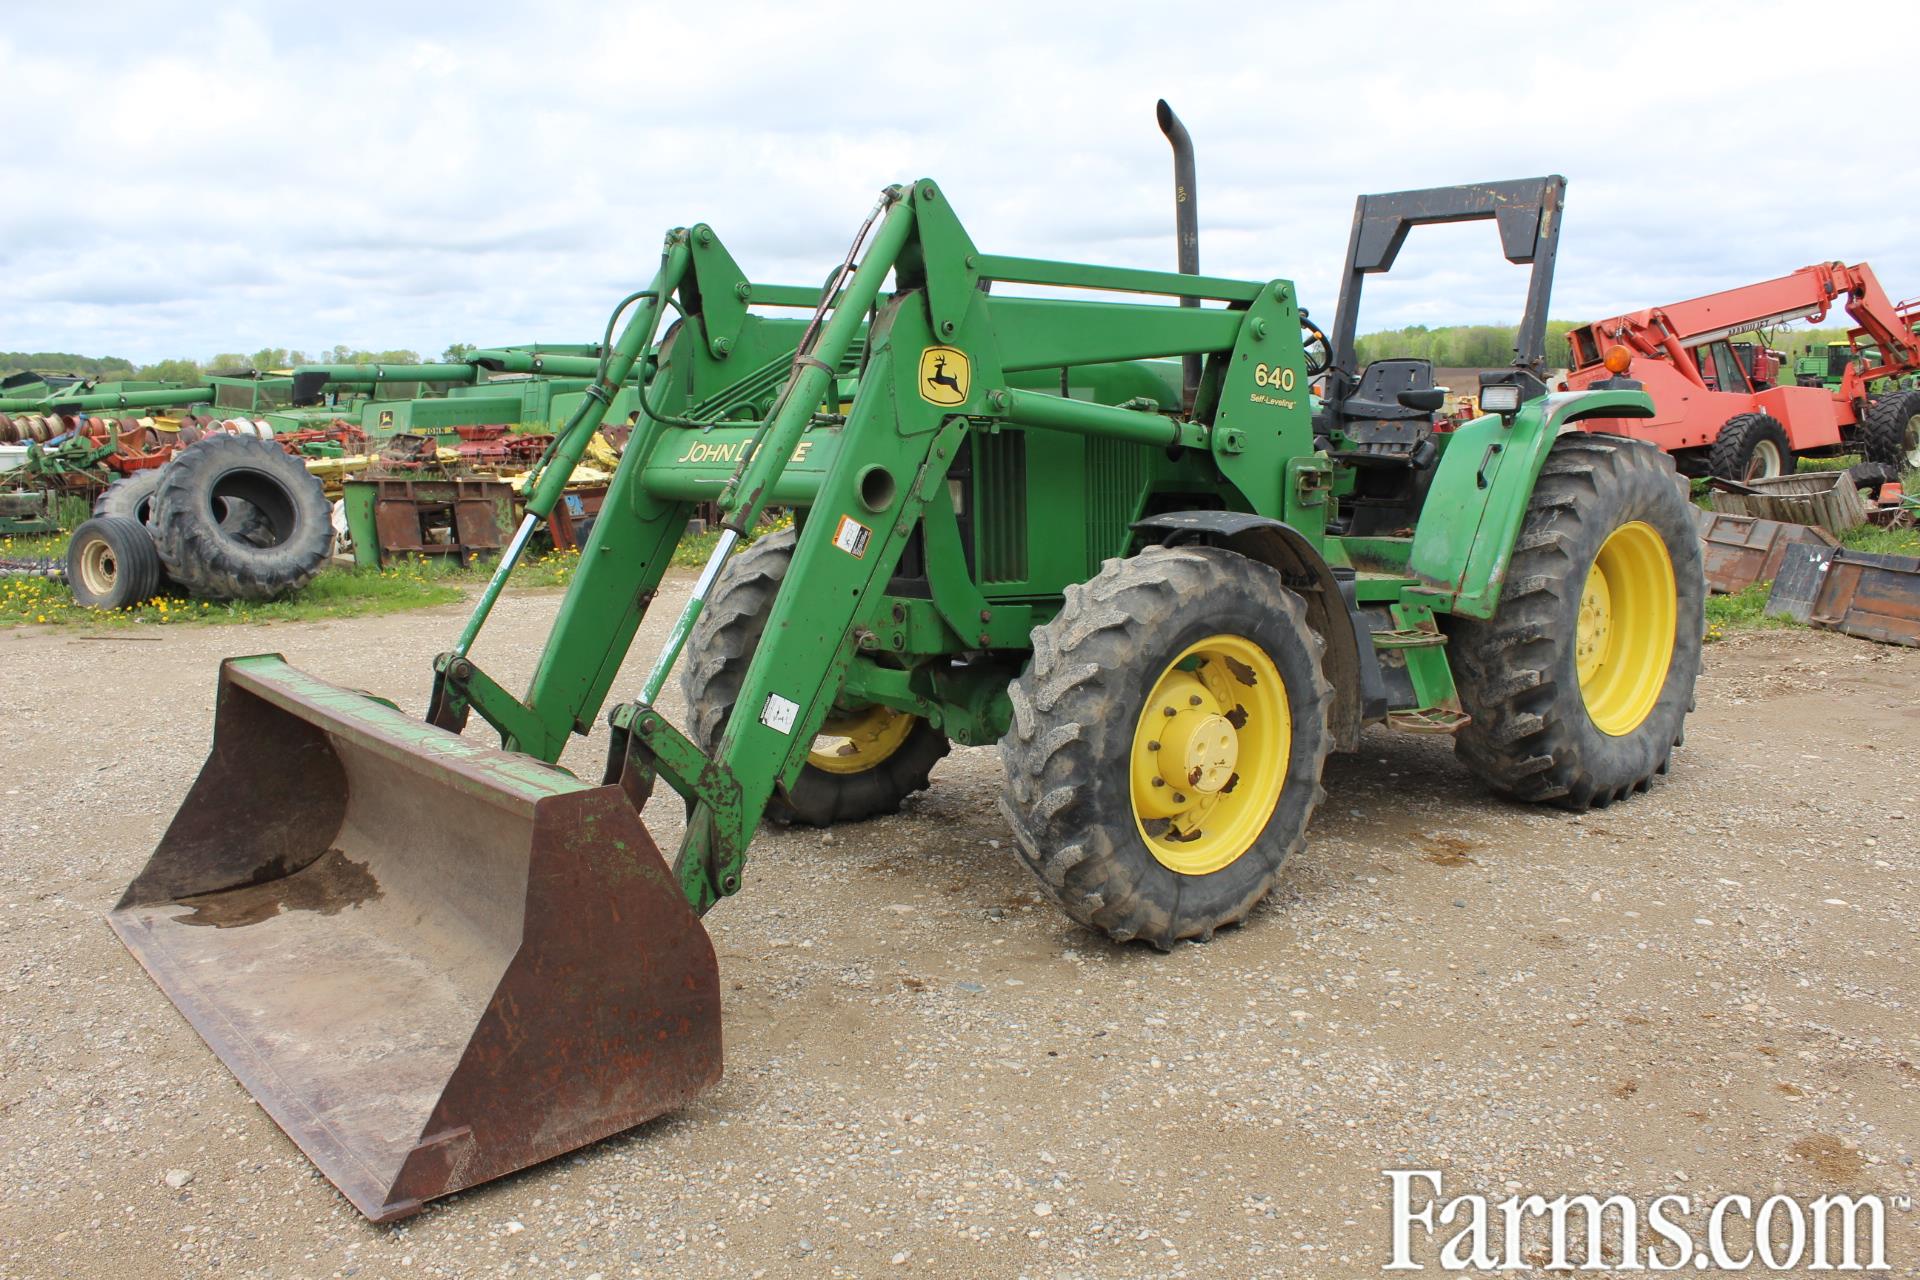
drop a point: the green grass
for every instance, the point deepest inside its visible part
(335, 593)
(1883, 542)
(1742, 611)
(1840, 463)
(692, 552)
(51, 546)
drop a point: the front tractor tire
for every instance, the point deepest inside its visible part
(1579, 684)
(864, 761)
(1167, 743)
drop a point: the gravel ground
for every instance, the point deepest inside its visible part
(1709, 989)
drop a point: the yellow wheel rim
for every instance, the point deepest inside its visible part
(1623, 643)
(1210, 755)
(856, 741)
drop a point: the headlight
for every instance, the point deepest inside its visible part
(1500, 397)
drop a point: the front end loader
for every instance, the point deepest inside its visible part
(1118, 537)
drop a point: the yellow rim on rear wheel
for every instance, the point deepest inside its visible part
(856, 741)
(1623, 644)
(1210, 755)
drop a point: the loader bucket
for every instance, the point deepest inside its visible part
(432, 962)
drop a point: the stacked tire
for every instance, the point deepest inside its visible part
(229, 518)
(237, 518)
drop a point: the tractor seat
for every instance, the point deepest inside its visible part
(1378, 395)
(1381, 430)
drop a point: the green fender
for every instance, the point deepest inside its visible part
(1481, 488)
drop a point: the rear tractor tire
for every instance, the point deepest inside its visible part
(1579, 685)
(130, 497)
(112, 563)
(238, 519)
(865, 760)
(1751, 446)
(1167, 743)
(1890, 433)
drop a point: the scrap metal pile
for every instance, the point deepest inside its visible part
(234, 512)
(260, 512)
(1787, 530)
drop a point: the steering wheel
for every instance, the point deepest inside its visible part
(1318, 351)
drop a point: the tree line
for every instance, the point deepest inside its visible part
(12, 362)
(1459, 346)
(1490, 346)
(228, 363)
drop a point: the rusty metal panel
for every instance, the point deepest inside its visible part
(476, 522)
(1875, 597)
(399, 524)
(430, 961)
(460, 518)
(1803, 568)
(1825, 498)
(1739, 551)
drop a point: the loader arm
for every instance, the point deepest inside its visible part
(937, 368)
(722, 365)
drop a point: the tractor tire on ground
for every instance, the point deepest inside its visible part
(238, 519)
(1751, 446)
(1167, 743)
(864, 762)
(1890, 432)
(112, 563)
(1872, 475)
(1579, 685)
(130, 497)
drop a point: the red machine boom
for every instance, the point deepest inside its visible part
(1720, 408)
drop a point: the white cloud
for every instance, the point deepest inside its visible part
(195, 178)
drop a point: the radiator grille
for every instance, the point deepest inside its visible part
(1116, 477)
(1000, 537)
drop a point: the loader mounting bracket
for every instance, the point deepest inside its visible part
(646, 746)
(647, 742)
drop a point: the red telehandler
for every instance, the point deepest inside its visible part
(1720, 408)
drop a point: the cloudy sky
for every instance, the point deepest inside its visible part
(206, 177)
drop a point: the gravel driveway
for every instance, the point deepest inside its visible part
(1709, 989)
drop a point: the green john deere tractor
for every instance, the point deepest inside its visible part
(1123, 539)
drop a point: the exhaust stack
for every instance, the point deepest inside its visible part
(1186, 223)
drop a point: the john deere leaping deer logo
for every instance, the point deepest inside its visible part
(945, 375)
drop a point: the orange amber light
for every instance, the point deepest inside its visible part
(1619, 359)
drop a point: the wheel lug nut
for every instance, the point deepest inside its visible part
(1178, 798)
(1153, 746)
(1170, 711)
(1193, 699)
(1159, 782)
